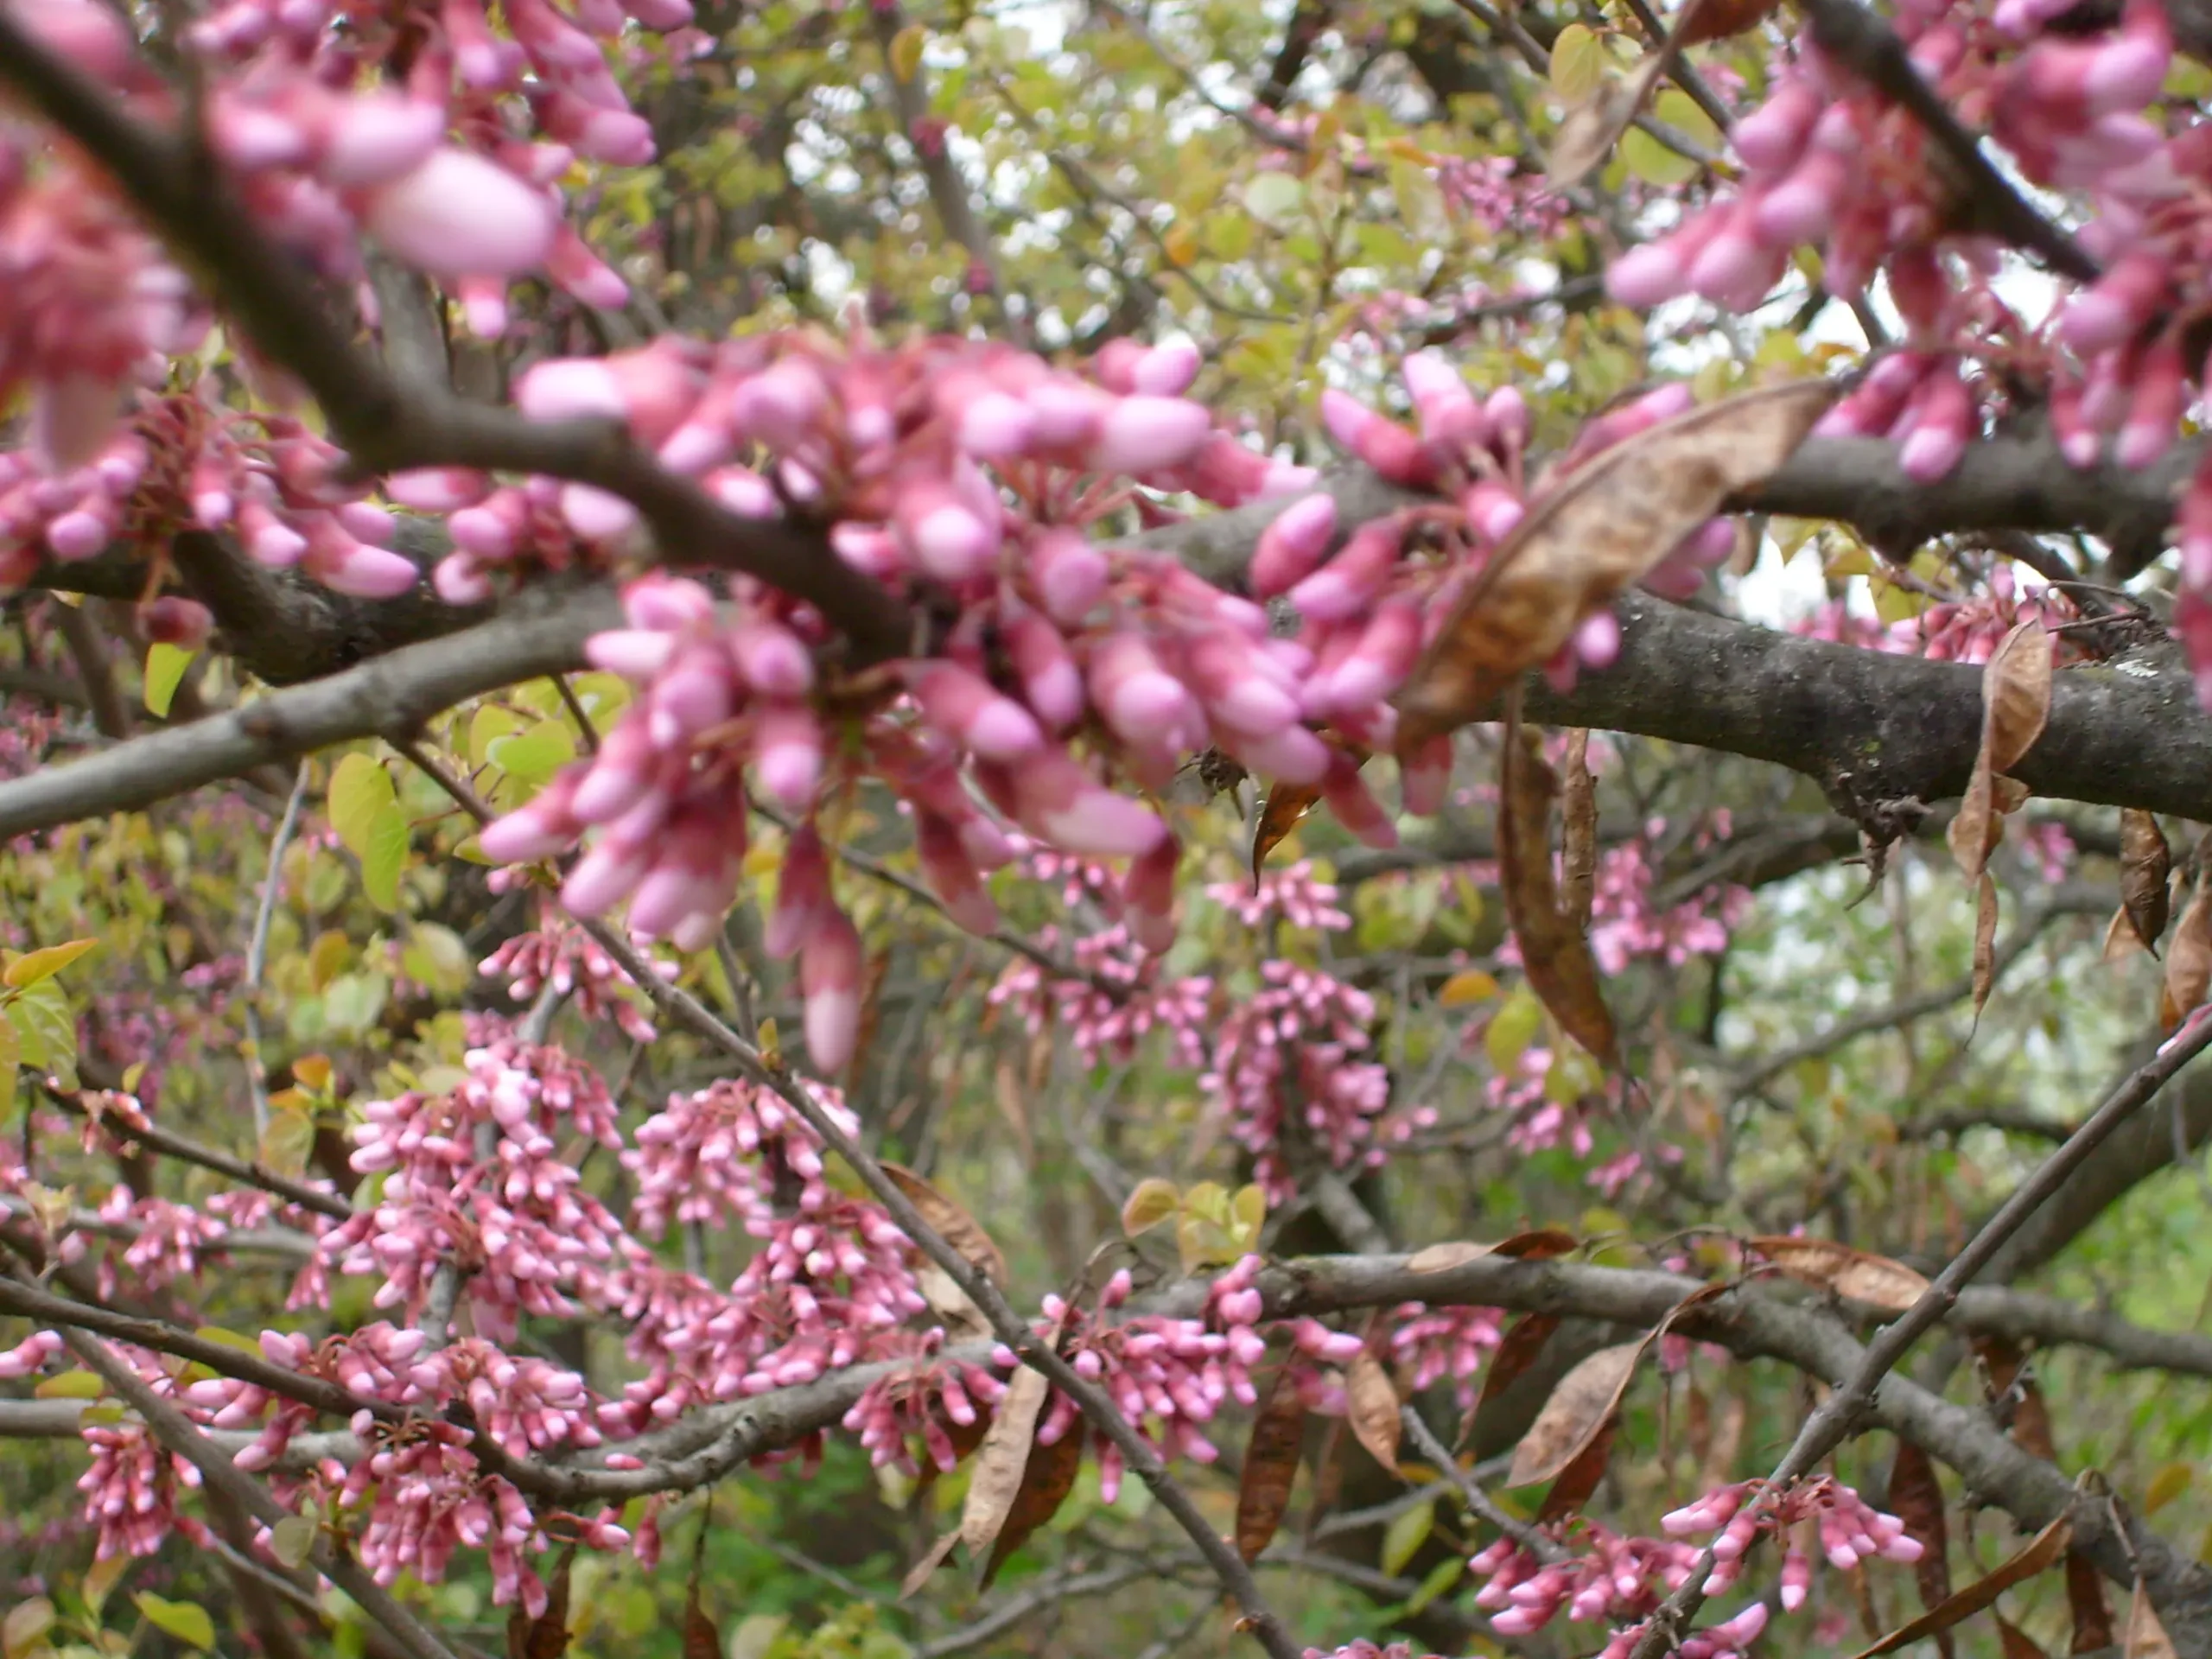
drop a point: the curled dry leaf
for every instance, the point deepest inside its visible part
(1516, 1352)
(2014, 1399)
(1985, 942)
(2037, 1556)
(1537, 1246)
(2015, 704)
(2085, 1599)
(1578, 1412)
(1374, 1408)
(1046, 1480)
(2189, 960)
(1589, 133)
(1916, 1499)
(920, 1572)
(1554, 952)
(1579, 1478)
(1607, 523)
(2145, 861)
(952, 1224)
(1270, 1467)
(1578, 831)
(2013, 1642)
(1719, 19)
(2146, 1634)
(2121, 940)
(1287, 804)
(1852, 1274)
(701, 1639)
(1001, 1460)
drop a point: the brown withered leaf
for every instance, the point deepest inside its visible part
(1287, 804)
(1579, 1478)
(1588, 134)
(2121, 940)
(2014, 1397)
(1001, 1460)
(2036, 1556)
(1540, 1245)
(1719, 19)
(1916, 1499)
(701, 1639)
(1374, 1408)
(1047, 1480)
(1328, 1478)
(921, 1572)
(2013, 1642)
(2145, 861)
(1516, 1352)
(2015, 704)
(1580, 1407)
(1578, 831)
(1270, 1467)
(2085, 1599)
(2189, 960)
(1607, 523)
(952, 1224)
(1554, 952)
(1985, 942)
(2146, 1632)
(545, 1637)
(1852, 1274)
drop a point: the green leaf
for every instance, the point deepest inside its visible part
(1273, 198)
(237, 1341)
(488, 725)
(1578, 63)
(165, 666)
(47, 1033)
(1652, 162)
(11, 1052)
(534, 755)
(1441, 1577)
(385, 856)
(187, 1621)
(26, 1626)
(101, 1578)
(70, 1385)
(1405, 1535)
(905, 53)
(437, 956)
(292, 1540)
(353, 1002)
(26, 971)
(360, 792)
(1513, 1028)
(1681, 112)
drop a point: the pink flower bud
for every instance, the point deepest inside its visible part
(1447, 411)
(696, 694)
(1424, 778)
(605, 876)
(1050, 681)
(829, 979)
(1070, 574)
(1143, 703)
(73, 416)
(1356, 810)
(1772, 138)
(771, 659)
(1292, 755)
(1393, 452)
(802, 894)
(942, 531)
(787, 751)
(1942, 422)
(1063, 806)
(1377, 665)
(2118, 303)
(1342, 587)
(637, 654)
(177, 621)
(459, 214)
(1142, 434)
(964, 707)
(1289, 548)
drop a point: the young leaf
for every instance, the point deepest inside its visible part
(1604, 527)
(1555, 953)
(70, 1385)
(1047, 1480)
(25, 1626)
(35, 966)
(2146, 1634)
(384, 856)
(1578, 1412)
(1001, 1460)
(1405, 1535)
(360, 790)
(187, 1621)
(1270, 1467)
(1852, 1274)
(2037, 1556)
(1916, 1499)
(2145, 861)
(1465, 988)
(1287, 804)
(1578, 831)
(165, 666)
(1151, 1202)
(952, 1224)
(2169, 1483)
(1374, 1409)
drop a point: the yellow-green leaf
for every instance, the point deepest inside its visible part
(1578, 63)
(292, 1540)
(1405, 1535)
(101, 1578)
(1153, 1201)
(905, 53)
(165, 666)
(1441, 1577)
(1652, 162)
(11, 1047)
(2169, 1483)
(384, 856)
(235, 1340)
(1468, 986)
(26, 1626)
(28, 970)
(534, 755)
(1512, 1029)
(70, 1385)
(1681, 112)
(360, 791)
(187, 1621)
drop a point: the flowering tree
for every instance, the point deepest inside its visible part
(1276, 648)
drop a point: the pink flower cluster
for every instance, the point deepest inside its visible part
(1292, 892)
(477, 1178)
(1286, 1055)
(1428, 1344)
(926, 1396)
(557, 952)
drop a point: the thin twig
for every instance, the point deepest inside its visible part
(1837, 1416)
(1546, 1550)
(257, 953)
